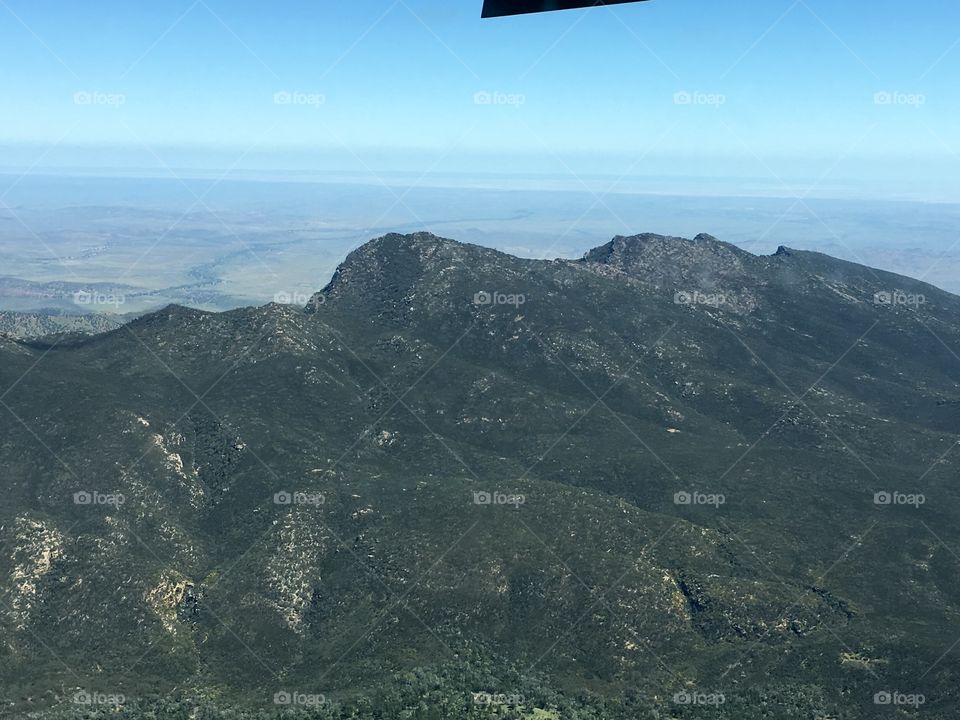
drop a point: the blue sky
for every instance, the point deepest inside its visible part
(778, 88)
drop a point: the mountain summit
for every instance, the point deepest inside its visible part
(464, 484)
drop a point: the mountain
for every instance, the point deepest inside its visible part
(34, 325)
(669, 480)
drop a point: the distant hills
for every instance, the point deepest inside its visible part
(669, 480)
(33, 325)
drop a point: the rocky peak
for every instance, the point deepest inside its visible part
(394, 265)
(171, 314)
(664, 260)
(623, 250)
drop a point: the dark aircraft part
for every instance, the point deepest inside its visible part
(498, 8)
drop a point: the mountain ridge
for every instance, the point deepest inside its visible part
(598, 488)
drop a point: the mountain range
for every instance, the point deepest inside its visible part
(672, 479)
(40, 324)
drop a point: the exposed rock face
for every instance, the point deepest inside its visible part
(293, 574)
(38, 545)
(169, 597)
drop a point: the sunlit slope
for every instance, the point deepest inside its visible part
(672, 467)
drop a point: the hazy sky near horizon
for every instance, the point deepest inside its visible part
(784, 88)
